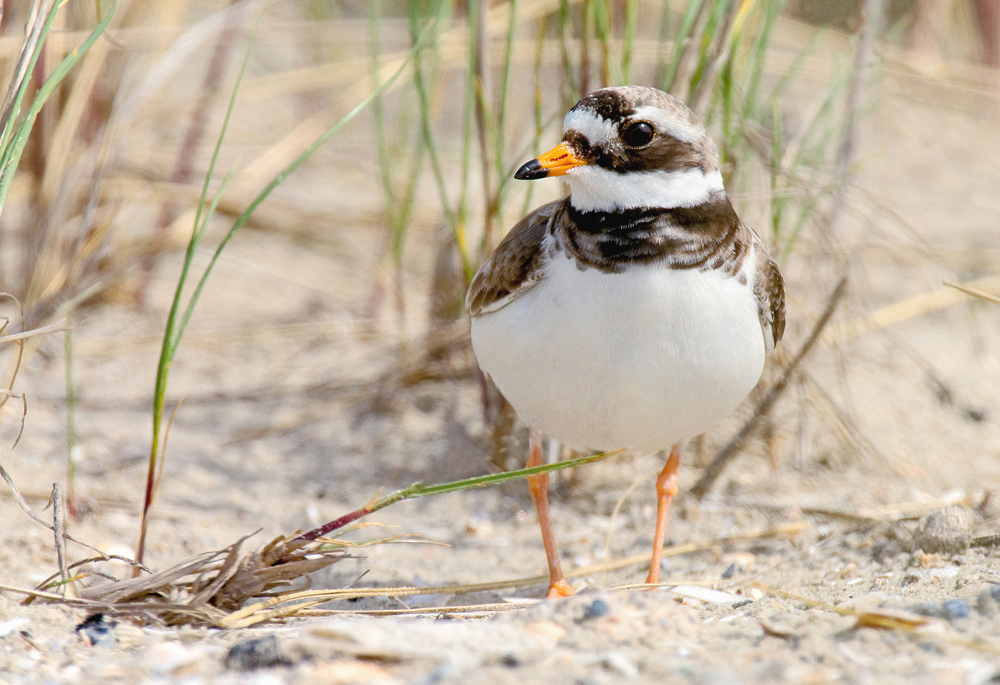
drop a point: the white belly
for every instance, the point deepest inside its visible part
(642, 359)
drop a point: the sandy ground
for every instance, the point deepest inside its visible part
(285, 426)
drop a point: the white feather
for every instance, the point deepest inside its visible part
(597, 130)
(644, 358)
(593, 188)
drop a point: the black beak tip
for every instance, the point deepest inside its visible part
(530, 171)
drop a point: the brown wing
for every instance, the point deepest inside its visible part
(769, 289)
(515, 266)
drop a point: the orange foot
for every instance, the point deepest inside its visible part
(560, 588)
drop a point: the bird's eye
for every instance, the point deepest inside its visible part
(638, 134)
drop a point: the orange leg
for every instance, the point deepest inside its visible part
(666, 489)
(539, 487)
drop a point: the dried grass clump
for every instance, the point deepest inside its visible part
(211, 588)
(203, 590)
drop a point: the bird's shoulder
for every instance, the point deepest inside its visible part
(516, 264)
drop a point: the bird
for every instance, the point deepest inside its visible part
(637, 311)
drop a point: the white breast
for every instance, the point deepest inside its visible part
(641, 359)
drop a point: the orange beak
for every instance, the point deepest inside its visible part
(555, 162)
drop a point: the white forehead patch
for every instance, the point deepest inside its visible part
(593, 189)
(598, 130)
(675, 128)
(587, 123)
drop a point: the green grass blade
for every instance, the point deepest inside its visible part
(24, 68)
(172, 341)
(683, 35)
(423, 97)
(283, 174)
(13, 147)
(176, 323)
(378, 111)
(178, 333)
(628, 47)
(808, 51)
(508, 61)
(610, 66)
(758, 53)
(420, 490)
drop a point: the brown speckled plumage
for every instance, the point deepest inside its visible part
(709, 236)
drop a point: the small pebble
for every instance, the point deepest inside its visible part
(948, 531)
(260, 652)
(97, 630)
(950, 610)
(616, 662)
(995, 592)
(987, 605)
(596, 609)
(956, 608)
(729, 572)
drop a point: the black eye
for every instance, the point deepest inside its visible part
(638, 134)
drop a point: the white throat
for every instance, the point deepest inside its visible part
(593, 188)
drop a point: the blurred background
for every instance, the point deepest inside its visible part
(328, 356)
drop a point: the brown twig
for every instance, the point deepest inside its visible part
(20, 356)
(59, 531)
(726, 454)
(27, 510)
(7, 394)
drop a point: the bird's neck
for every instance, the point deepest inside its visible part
(597, 190)
(681, 237)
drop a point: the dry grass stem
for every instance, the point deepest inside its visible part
(212, 588)
(203, 589)
(890, 513)
(974, 292)
(906, 309)
(931, 629)
(41, 330)
(466, 611)
(59, 531)
(275, 608)
(21, 502)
